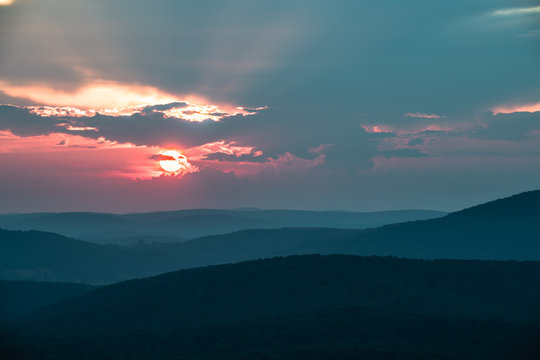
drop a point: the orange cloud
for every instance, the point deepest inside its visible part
(100, 94)
(530, 108)
(117, 99)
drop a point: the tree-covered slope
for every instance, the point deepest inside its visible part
(505, 229)
(21, 297)
(300, 307)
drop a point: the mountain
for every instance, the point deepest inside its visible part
(187, 224)
(300, 307)
(21, 297)
(502, 229)
(41, 256)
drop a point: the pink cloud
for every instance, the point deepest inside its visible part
(377, 129)
(530, 108)
(105, 159)
(99, 158)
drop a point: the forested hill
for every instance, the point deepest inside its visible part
(41, 256)
(300, 307)
(21, 297)
(505, 229)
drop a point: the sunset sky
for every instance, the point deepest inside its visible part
(302, 104)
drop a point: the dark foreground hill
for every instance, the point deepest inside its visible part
(21, 297)
(300, 307)
(171, 226)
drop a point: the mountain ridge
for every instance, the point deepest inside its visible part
(189, 224)
(458, 236)
(326, 304)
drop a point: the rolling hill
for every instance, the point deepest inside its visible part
(21, 297)
(41, 256)
(300, 307)
(174, 226)
(505, 229)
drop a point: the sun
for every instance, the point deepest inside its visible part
(172, 161)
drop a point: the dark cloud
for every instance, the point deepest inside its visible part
(350, 146)
(161, 157)
(163, 107)
(415, 142)
(404, 153)
(219, 156)
(517, 126)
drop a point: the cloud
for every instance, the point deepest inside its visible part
(234, 158)
(97, 94)
(517, 11)
(509, 109)
(113, 98)
(406, 153)
(163, 107)
(422, 115)
(416, 141)
(514, 126)
(161, 157)
(81, 128)
(378, 129)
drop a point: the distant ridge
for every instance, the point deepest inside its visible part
(42, 256)
(188, 224)
(505, 229)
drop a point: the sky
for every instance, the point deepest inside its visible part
(300, 104)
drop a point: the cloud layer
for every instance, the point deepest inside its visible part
(353, 105)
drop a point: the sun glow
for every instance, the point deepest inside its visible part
(172, 161)
(6, 2)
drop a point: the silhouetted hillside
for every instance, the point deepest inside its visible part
(185, 224)
(41, 256)
(301, 307)
(20, 297)
(502, 229)
(523, 207)
(35, 255)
